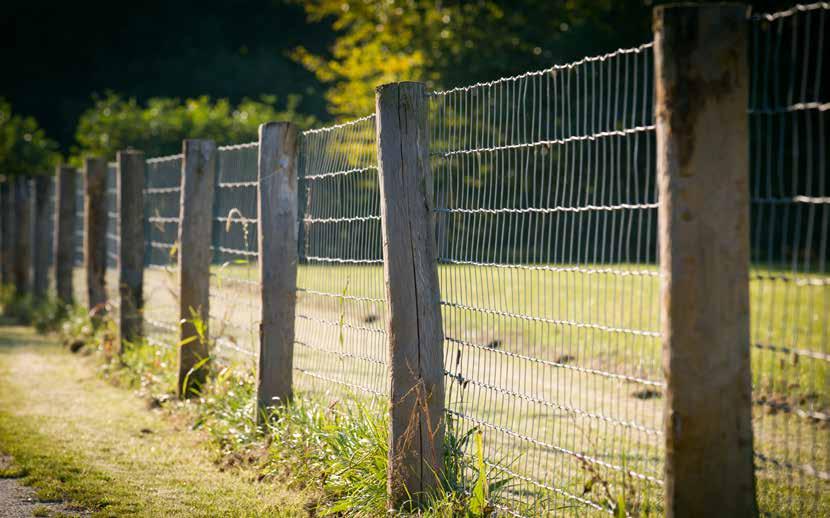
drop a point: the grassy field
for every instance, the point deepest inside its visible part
(560, 367)
(74, 437)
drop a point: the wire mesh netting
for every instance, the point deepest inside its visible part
(161, 216)
(78, 273)
(546, 226)
(790, 287)
(340, 342)
(113, 231)
(235, 295)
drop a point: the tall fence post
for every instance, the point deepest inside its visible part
(64, 256)
(95, 231)
(195, 225)
(41, 187)
(277, 211)
(413, 323)
(7, 250)
(703, 180)
(130, 206)
(23, 244)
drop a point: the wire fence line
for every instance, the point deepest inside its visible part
(235, 300)
(790, 215)
(545, 211)
(339, 328)
(546, 221)
(161, 214)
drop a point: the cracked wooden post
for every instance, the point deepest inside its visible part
(23, 243)
(130, 206)
(95, 232)
(42, 188)
(195, 225)
(64, 255)
(413, 323)
(703, 179)
(277, 210)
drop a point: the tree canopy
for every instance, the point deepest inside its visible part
(24, 147)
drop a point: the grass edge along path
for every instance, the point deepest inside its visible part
(77, 438)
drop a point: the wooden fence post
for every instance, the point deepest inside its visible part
(130, 206)
(195, 225)
(277, 210)
(23, 244)
(95, 231)
(413, 323)
(703, 179)
(6, 260)
(42, 187)
(64, 256)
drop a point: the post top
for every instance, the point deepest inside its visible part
(129, 151)
(692, 7)
(413, 85)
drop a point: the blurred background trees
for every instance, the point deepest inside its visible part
(102, 75)
(24, 147)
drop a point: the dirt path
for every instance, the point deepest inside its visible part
(20, 501)
(84, 442)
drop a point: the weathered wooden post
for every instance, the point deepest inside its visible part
(95, 232)
(23, 243)
(413, 323)
(64, 255)
(277, 209)
(195, 224)
(42, 188)
(7, 250)
(703, 180)
(130, 206)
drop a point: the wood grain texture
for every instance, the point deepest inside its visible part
(95, 232)
(130, 203)
(703, 180)
(23, 243)
(415, 359)
(195, 224)
(277, 209)
(64, 242)
(42, 187)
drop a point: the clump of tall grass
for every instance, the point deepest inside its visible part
(337, 449)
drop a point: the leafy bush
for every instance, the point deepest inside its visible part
(159, 126)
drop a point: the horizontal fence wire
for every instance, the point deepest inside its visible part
(340, 341)
(112, 238)
(235, 291)
(161, 234)
(790, 280)
(546, 213)
(78, 273)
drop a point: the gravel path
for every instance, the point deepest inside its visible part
(19, 501)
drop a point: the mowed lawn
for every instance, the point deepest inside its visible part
(76, 438)
(560, 367)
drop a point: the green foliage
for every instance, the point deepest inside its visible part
(159, 126)
(24, 147)
(45, 315)
(453, 43)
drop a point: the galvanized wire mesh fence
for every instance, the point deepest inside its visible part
(546, 226)
(790, 287)
(340, 338)
(161, 215)
(546, 221)
(235, 299)
(113, 231)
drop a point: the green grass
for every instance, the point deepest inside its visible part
(558, 399)
(76, 438)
